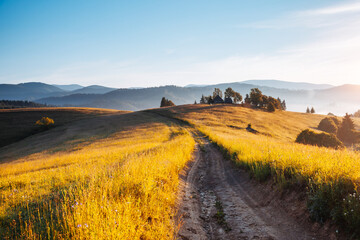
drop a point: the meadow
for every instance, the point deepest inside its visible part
(330, 177)
(115, 175)
(121, 185)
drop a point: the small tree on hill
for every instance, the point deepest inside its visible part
(283, 105)
(166, 103)
(307, 110)
(202, 100)
(346, 131)
(195, 102)
(217, 92)
(312, 110)
(237, 97)
(271, 107)
(229, 92)
(256, 97)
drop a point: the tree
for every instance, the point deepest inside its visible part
(202, 100)
(275, 102)
(195, 102)
(209, 100)
(217, 92)
(312, 110)
(163, 102)
(346, 131)
(256, 97)
(307, 110)
(237, 97)
(357, 114)
(247, 99)
(166, 102)
(271, 107)
(229, 92)
(283, 105)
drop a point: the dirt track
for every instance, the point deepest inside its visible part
(219, 201)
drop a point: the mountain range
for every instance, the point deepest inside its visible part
(324, 98)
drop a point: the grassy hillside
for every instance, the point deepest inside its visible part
(330, 177)
(118, 183)
(16, 124)
(114, 175)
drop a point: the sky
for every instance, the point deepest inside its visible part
(155, 43)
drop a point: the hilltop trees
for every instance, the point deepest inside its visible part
(237, 97)
(166, 102)
(310, 111)
(346, 131)
(217, 92)
(255, 99)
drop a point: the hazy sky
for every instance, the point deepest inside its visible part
(151, 43)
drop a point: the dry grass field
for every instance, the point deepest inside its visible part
(114, 175)
(118, 182)
(17, 124)
(330, 177)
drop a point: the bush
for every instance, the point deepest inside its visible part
(329, 125)
(45, 122)
(319, 139)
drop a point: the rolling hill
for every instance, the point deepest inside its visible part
(102, 174)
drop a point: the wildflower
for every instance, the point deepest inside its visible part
(86, 225)
(79, 226)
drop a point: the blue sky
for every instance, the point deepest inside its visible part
(152, 43)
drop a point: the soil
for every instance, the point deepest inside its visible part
(220, 201)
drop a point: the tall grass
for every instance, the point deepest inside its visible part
(330, 177)
(122, 187)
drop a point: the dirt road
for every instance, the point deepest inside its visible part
(219, 201)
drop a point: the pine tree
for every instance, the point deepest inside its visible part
(346, 131)
(195, 102)
(312, 110)
(307, 110)
(202, 99)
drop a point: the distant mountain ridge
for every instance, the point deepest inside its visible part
(69, 87)
(36, 90)
(338, 100)
(288, 85)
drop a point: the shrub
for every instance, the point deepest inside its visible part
(329, 125)
(45, 122)
(309, 137)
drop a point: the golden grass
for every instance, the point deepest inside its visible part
(331, 177)
(120, 187)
